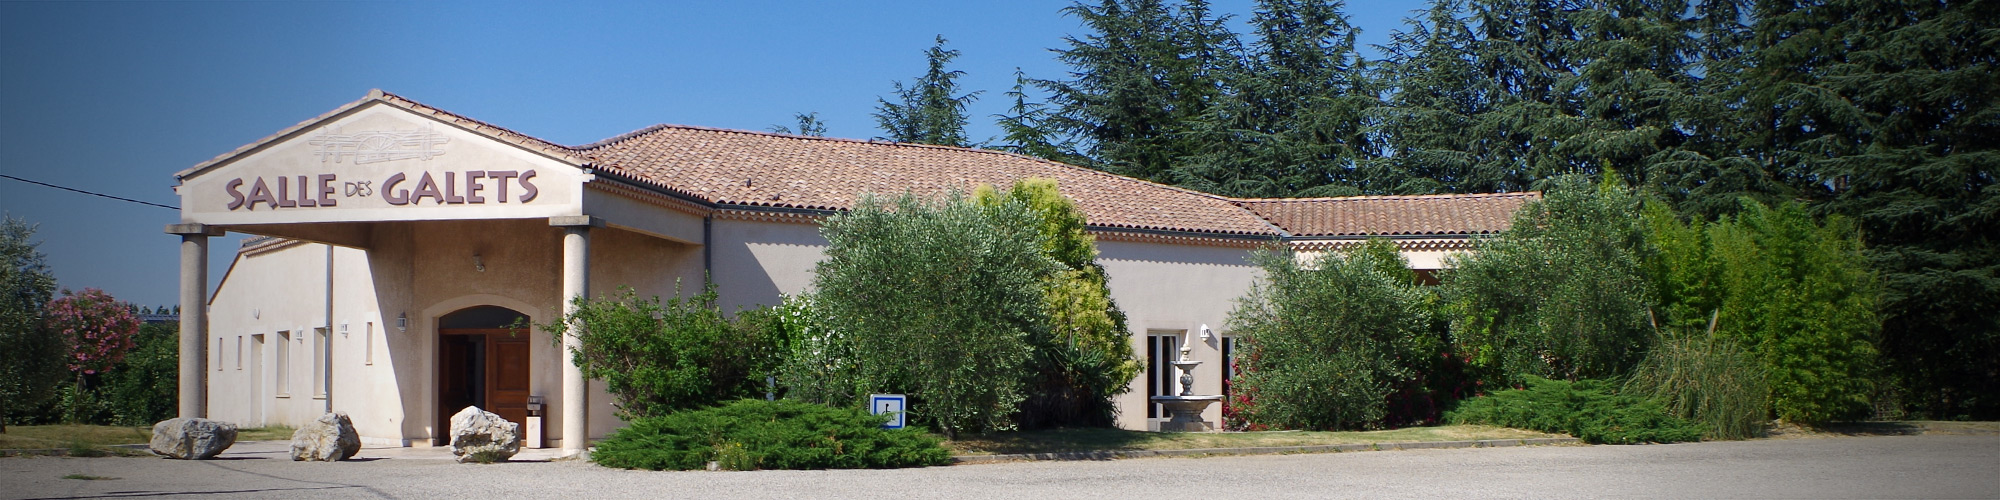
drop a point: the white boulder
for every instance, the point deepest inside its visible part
(192, 438)
(481, 436)
(330, 438)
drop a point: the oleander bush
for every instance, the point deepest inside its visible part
(754, 434)
(1591, 410)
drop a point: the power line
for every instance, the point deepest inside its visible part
(90, 192)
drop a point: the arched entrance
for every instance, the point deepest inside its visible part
(482, 361)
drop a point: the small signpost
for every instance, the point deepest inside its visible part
(890, 404)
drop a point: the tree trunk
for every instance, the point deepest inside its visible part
(76, 398)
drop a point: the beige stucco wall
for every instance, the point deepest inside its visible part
(1422, 254)
(756, 262)
(1172, 289)
(1161, 287)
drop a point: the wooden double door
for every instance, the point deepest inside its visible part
(483, 367)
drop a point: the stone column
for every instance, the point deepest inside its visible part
(194, 317)
(575, 283)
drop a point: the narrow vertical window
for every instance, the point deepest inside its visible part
(321, 348)
(1228, 367)
(368, 343)
(1162, 348)
(218, 353)
(239, 353)
(284, 365)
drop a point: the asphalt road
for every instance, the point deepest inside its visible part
(1931, 466)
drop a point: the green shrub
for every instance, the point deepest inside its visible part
(755, 434)
(1084, 358)
(1799, 295)
(1326, 343)
(1706, 380)
(656, 357)
(940, 301)
(1560, 294)
(819, 364)
(1587, 409)
(144, 388)
(31, 357)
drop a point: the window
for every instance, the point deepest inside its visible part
(284, 366)
(239, 353)
(1228, 366)
(368, 344)
(1161, 377)
(218, 354)
(322, 349)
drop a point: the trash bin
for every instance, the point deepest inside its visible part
(531, 437)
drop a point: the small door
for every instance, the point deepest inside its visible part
(484, 363)
(507, 387)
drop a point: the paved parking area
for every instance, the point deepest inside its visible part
(1931, 466)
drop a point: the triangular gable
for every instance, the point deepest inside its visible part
(384, 158)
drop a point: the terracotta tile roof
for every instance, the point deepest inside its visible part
(735, 167)
(1448, 214)
(777, 170)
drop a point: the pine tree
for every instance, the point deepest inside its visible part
(929, 111)
(1027, 129)
(1293, 122)
(1436, 94)
(1889, 112)
(1139, 81)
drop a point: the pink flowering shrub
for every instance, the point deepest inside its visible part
(96, 329)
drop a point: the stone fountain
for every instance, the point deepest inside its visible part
(1184, 409)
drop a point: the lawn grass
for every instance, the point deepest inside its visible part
(1058, 440)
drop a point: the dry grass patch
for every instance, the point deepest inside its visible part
(51, 437)
(269, 433)
(1060, 440)
(97, 440)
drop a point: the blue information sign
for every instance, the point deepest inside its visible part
(892, 405)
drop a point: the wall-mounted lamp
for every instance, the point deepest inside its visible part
(478, 262)
(1206, 333)
(343, 329)
(402, 322)
(254, 313)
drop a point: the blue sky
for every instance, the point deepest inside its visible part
(115, 97)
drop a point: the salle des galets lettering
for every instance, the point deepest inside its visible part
(472, 187)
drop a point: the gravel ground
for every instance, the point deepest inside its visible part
(1930, 466)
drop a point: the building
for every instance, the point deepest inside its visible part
(398, 242)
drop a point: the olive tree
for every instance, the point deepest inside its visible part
(1560, 294)
(938, 299)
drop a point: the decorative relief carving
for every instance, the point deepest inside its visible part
(378, 146)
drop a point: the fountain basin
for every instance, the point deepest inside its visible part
(1184, 413)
